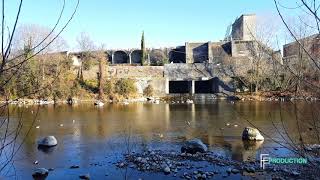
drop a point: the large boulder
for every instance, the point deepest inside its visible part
(193, 146)
(40, 174)
(48, 141)
(252, 134)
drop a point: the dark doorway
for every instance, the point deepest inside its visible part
(179, 87)
(204, 87)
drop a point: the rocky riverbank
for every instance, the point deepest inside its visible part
(209, 166)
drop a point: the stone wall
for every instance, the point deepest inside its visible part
(197, 52)
(127, 72)
(195, 71)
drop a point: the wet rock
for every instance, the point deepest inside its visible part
(252, 134)
(295, 173)
(189, 101)
(250, 169)
(85, 176)
(229, 170)
(166, 170)
(48, 141)
(72, 101)
(99, 103)
(74, 167)
(51, 169)
(235, 171)
(193, 146)
(121, 165)
(40, 173)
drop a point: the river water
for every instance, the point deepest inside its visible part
(95, 138)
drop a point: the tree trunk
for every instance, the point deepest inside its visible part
(100, 78)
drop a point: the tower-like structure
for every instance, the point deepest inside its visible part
(244, 28)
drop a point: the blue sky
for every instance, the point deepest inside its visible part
(119, 23)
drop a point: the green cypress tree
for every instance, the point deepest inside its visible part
(143, 51)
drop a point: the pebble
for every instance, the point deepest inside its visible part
(166, 170)
(295, 173)
(250, 169)
(121, 165)
(229, 170)
(235, 171)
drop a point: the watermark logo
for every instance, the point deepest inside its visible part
(265, 159)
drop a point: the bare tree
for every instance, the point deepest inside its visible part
(86, 46)
(10, 67)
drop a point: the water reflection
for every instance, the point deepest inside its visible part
(89, 133)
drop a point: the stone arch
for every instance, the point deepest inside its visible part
(157, 57)
(136, 57)
(120, 57)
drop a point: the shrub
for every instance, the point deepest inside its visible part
(88, 64)
(148, 91)
(108, 87)
(125, 87)
(90, 85)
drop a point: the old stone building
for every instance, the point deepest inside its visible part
(192, 68)
(293, 50)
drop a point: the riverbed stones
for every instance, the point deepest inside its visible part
(252, 134)
(167, 170)
(40, 173)
(48, 141)
(193, 146)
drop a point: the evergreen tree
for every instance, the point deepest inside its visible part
(143, 51)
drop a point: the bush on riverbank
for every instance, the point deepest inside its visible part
(125, 87)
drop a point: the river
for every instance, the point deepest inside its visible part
(95, 138)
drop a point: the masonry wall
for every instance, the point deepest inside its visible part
(197, 52)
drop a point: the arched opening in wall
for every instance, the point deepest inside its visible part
(136, 56)
(177, 55)
(204, 87)
(180, 87)
(120, 57)
(158, 57)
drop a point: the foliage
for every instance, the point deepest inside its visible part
(90, 85)
(125, 87)
(143, 50)
(108, 87)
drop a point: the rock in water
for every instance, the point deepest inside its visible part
(85, 176)
(40, 173)
(252, 134)
(48, 141)
(167, 170)
(99, 103)
(193, 146)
